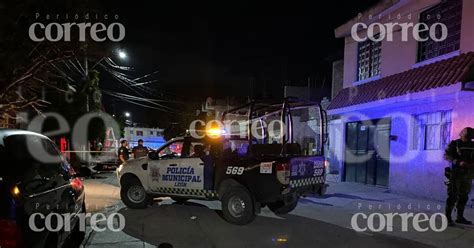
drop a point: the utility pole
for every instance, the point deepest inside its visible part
(86, 68)
(251, 88)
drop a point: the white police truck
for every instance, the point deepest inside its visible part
(243, 172)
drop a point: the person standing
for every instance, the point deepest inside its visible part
(206, 157)
(123, 151)
(460, 153)
(140, 150)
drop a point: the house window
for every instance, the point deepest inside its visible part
(432, 131)
(131, 132)
(139, 133)
(448, 13)
(151, 132)
(368, 61)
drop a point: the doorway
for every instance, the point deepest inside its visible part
(367, 152)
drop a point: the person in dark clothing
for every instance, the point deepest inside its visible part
(204, 154)
(123, 151)
(140, 150)
(460, 153)
(198, 151)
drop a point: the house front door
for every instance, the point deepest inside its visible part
(367, 152)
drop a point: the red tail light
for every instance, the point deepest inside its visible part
(77, 184)
(283, 173)
(10, 235)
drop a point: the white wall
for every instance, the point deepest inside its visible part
(336, 146)
(415, 172)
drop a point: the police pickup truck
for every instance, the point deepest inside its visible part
(245, 173)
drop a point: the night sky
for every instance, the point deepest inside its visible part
(220, 48)
(217, 46)
(234, 49)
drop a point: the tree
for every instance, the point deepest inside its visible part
(27, 68)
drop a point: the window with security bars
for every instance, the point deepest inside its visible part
(368, 61)
(448, 12)
(431, 131)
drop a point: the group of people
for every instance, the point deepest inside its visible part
(138, 151)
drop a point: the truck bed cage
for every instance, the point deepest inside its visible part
(257, 110)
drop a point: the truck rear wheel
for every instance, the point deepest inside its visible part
(133, 194)
(238, 206)
(279, 207)
(321, 191)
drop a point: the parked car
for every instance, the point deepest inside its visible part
(245, 174)
(36, 181)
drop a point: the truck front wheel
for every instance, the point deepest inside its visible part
(280, 207)
(237, 206)
(133, 194)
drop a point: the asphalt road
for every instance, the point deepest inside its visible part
(199, 224)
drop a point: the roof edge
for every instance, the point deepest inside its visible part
(383, 8)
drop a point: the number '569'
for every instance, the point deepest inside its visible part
(234, 170)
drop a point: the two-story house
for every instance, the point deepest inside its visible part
(406, 93)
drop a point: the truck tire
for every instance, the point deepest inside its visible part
(279, 207)
(133, 194)
(238, 206)
(320, 190)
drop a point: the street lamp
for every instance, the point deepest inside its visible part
(122, 54)
(127, 114)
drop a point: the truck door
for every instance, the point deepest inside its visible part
(188, 175)
(181, 170)
(169, 156)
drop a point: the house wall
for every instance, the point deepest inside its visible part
(414, 172)
(336, 146)
(337, 77)
(153, 141)
(467, 30)
(350, 62)
(397, 55)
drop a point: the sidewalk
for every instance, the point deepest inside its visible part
(103, 195)
(110, 238)
(343, 200)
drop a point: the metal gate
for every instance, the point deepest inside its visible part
(367, 152)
